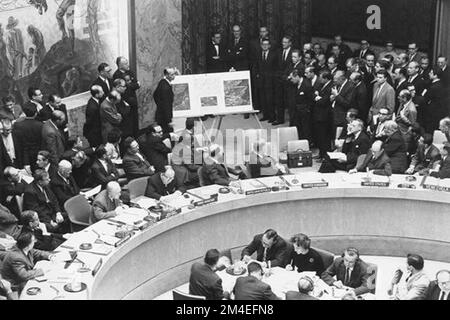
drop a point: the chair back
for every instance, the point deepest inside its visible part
(79, 210)
(180, 296)
(137, 187)
(327, 257)
(296, 145)
(372, 269)
(284, 136)
(200, 177)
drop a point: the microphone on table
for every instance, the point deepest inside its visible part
(398, 275)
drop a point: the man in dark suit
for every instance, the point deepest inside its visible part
(322, 114)
(124, 109)
(270, 249)
(251, 288)
(36, 99)
(107, 204)
(436, 99)
(43, 162)
(342, 97)
(291, 88)
(376, 161)
(395, 147)
(344, 48)
(350, 271)
(216, 54)
(163, 184)
(265, 80)
(442, 64)
(443, 170)
(305, 289)
(303, 105)
(54, 104)
(109, 114)
(339, 56)
(426, 157)
(104, 79)
(204, 281)
(28, 133)
(415, 79)
(52, 138)
(238, 51)
(400, 78)
(63, 184)
(102, 170)
(164, 98)
(413, 53)
(8, 146)
(93, 127)
(364, 51)
(40, 198)
(155, 146)
(134, 163)
(440, 289)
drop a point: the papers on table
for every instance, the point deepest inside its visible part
(92, 193)
(144, 202)
(63, 256)
(337, 155)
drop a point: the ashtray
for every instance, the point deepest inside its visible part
(156, 209)
(33, 291)
(275, 189)
(295, 181)
(86, 246)
(224, 190)
(231, 272)
(82, 287)
(84, 270)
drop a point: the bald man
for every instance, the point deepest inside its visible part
(164, 184)
(305, 289)
(53, 139)
(164, 98)
(414, 78)
(376, 161)
(63, 184)
(107, 204)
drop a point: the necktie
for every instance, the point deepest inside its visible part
(347, 277)
(284, 55)
(265, 255)
(107, 84)
(378, 92)
(442, 296)
(217, 50)
(46, 197)
(236, 41)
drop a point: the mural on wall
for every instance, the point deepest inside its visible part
(56, 45)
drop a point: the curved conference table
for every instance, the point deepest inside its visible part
(380, 221)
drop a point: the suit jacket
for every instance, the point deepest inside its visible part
(399, 87)
(164, 98)
(425, 161)
(103, 207)
(9, 224)
(436, 99)
(419, 84)
(34, 200)
(62, 190)
(155, 151)
(293, 295)
(362, 103)
(100, 176)
(205, 282)
(396, 150)
(101, 83)
(322, 111)
(93, 127)
(216, 65)
(413, 287)
(357, 53)
(5, 159)
(53, 141)
(18, 268)
(266, 70)
(279, 254)
(444, 171)
(409, 118)
(28, 135)
(384, 99)
(358, 280)
(343, 102)
(46, 113)
(304, 96)
(250, 288)
(238, 55)
(282, 64)
(156, 188)
(135, 167)
(380, 166)
(356, 148)
(215, 174)
(434, 292)
(110, 118)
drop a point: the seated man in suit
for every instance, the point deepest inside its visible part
(350, 272)
(262, 164)
(13, 186)
(356, 145)
(305, 289)
(107, 204)
(63, 184)
(103, 170)
(270, 249)
(40, 198)
(440, 289)
(43, 163)
(9, 224)
(303, 257)
(163, 184)
(204, 281)
(412, 284)
(395, 147)
(251, 287)
(376, 161)
(215, 171)
(134, 163)
(426, 157)
(156, 146)
(443, 169)
(18, 266)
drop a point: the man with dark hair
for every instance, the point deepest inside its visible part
(410, 285)
(364, 50)
(443, 169)
(134, 163)
(109, 114)
(92, 129)
(362, 103)
(400, 78)
(342, 97)
(383, 95)
(251, 287)
(426, 158)
(344, 48)
(40, 198)
(204, 281)
(413, 53)
(436, 99)
(305, 290)
(348, 271)
(164, 98)
(155, 146)
(36, 99)
(303, 257)
(216, 54)
(271, 249)
(104, 79)
(10, 110)
(18, 266)
(440, 288)
(103, 170)
(52, 138)
(415, 79)
(406, 116)
(164, 184)
(124, 108)
(54, 103)
(43, 162)
(45, 242)
(303, 105)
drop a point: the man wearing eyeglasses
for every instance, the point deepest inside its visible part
(440, 288)
(413, 53)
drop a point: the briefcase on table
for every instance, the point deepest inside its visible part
(300, 159)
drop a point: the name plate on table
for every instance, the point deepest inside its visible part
(315, 185)
(376, 184)
(205, 202)
(258, 191)
(436, 188)
(407, 186)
